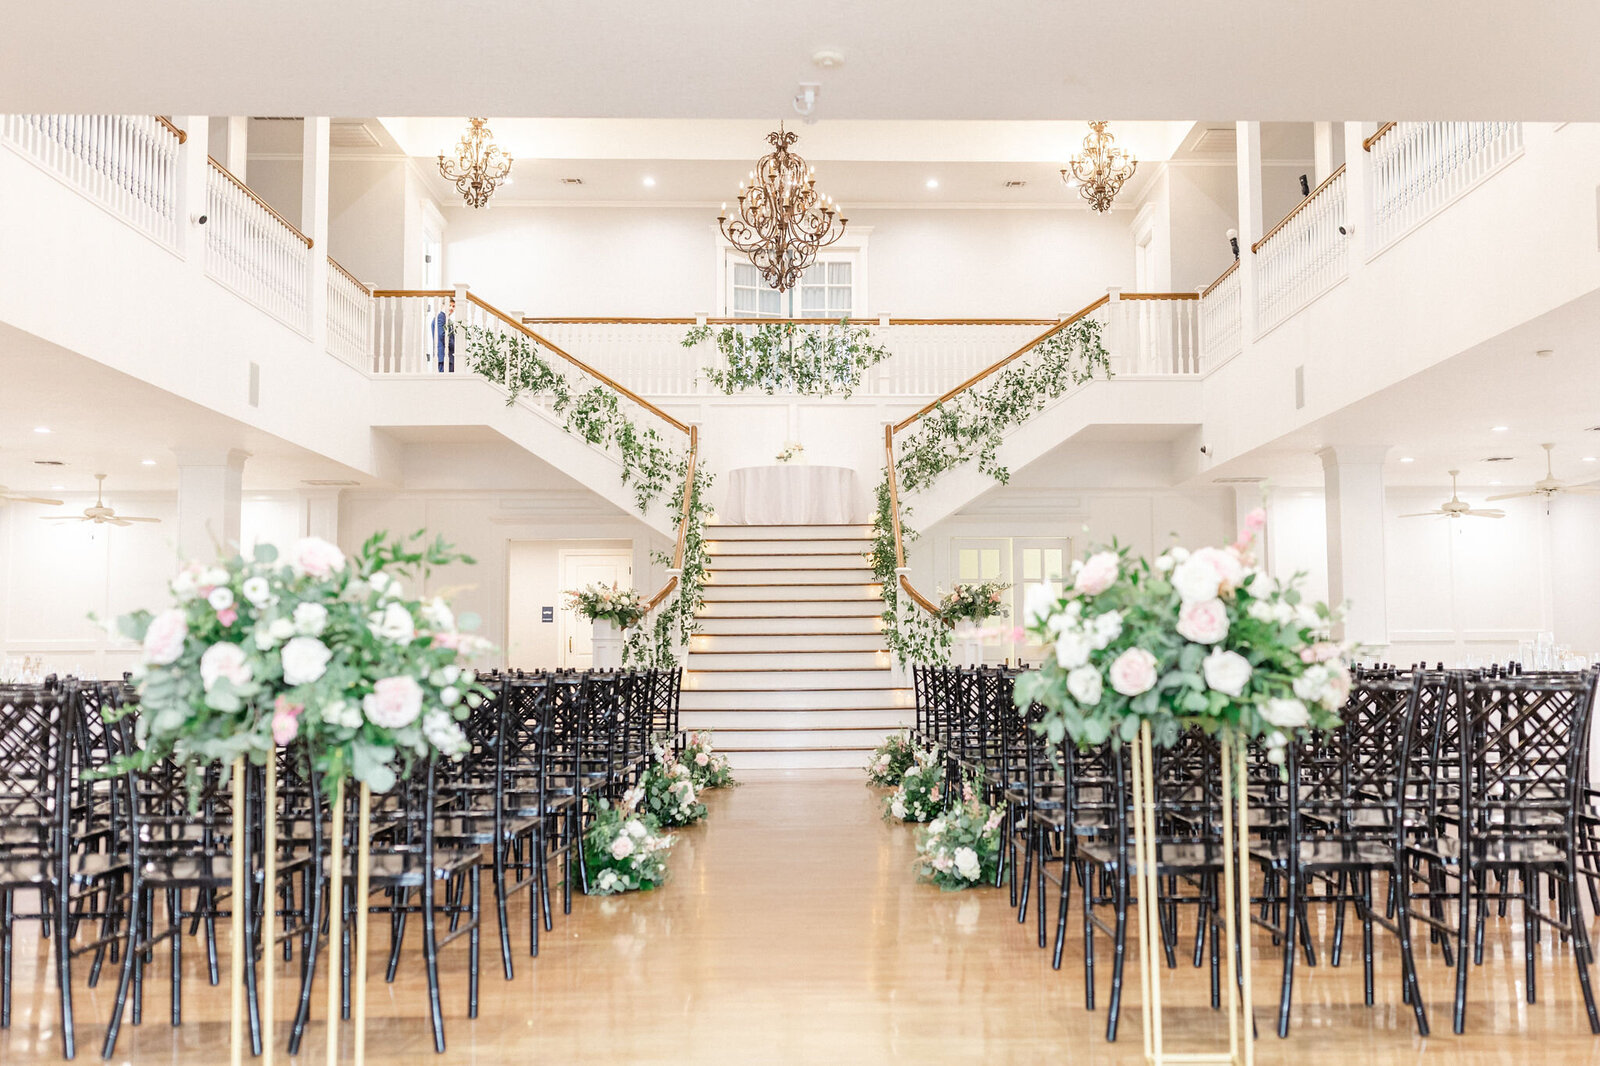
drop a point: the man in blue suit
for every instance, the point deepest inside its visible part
(444, 336)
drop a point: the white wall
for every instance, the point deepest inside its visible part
(533, 578)
(1466, 588)
(645, 261)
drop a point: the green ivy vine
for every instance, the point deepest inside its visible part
(593, 414)
(784, 357)
(655, 645)
(973, 424)
(917, 636)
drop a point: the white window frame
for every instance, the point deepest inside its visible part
(852, 248)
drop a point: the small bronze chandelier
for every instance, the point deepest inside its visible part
(1101, 169)
(479, 165)
(782, 219)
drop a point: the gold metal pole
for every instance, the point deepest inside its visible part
(269, 908)
(363, 878)
(335, 922)
(236, 927)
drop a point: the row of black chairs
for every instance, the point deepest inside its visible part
(1442, 796)
(99, 847)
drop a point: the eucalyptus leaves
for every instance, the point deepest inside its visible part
(655, 645)
(784, 357)
(594, 414)
(912, 635)
(973, 423)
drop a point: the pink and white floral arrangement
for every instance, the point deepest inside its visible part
(607, 603)
(708, 768)
(961, 847)
(920, 795)
(307, 645)
(624, 849)
(1203, 638)
(974, 602)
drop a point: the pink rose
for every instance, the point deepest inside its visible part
(227, 616)
(1203, 623)
(394, 702)
(1098, 573)
(163, 641)
(1256, 520)
(315, 557)
(285, 720)
(702, 759)
(224, 660)
(1133, 672)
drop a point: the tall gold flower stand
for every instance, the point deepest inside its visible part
(238, 1037)
(1235, 883)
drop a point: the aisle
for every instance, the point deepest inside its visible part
(794, 932)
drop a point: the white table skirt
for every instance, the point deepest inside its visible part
(791, 494)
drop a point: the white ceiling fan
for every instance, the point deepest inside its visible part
(1454, 508)
(99, 514)
(1551, 485)
(17, 497)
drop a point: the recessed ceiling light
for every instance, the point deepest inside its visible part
(1494, 482)
(58, 488)
(147, 462)
(1407, 459)
(933, 183)
(649, 182)
(41, 429)
(1498, 429)
(1591, 458)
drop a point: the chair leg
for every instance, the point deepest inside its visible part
(1399, 897)
(1530, 911)
(125, 978)
(397, 933)
(1291, 918)
(499, 874)
(1463, 926)
(308, 956)
(430, 955)
(6, 921)
(175, 927)
(1028, 849)
(475, 891)
(1580, 946)
(1118, 955)
(1061, 910)
(1088, 940)
(63, 950)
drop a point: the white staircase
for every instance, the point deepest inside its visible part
(790, 669)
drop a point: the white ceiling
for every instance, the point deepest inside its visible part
(1013, 59)
(1444, 418)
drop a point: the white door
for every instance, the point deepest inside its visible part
(580, 568)
(1035, 561)
(986, 559)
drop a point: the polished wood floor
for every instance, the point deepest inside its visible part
(793, 932)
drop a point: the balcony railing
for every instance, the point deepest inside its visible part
(255, 251)
(350, 317)
(1419, 167)
(129, 164)
(1304, 255)
(1221, 318)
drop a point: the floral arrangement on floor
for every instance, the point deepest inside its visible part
(708, 768)
(312, 645)
(974, 602)
(670, 796)
(890, 760)
(608, 603)
(919, 795)
(961, 847)
(624, 850)
(1202, 638)
(792, 450)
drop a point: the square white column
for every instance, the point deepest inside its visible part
(210, 499)
(1357, 574)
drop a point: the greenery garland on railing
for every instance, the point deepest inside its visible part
(655, 643)
(784, 357)
(918, 637)
(974, 422)
(594, 414)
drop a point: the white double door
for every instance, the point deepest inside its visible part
(580, 567)
(1021, 562)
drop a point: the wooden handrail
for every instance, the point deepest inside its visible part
(580, 364)
(894, 514)
(995, 367)
(1312, 195)
(351, 278)
(182, 135)
(1160, 296)
(622, 321)
(683, 524)
(1220, 279)
(414, 292)
(1367, 144)
(242, 187)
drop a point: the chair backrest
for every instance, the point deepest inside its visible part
(1354, 777)
(36, 760)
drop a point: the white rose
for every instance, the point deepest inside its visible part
(1106, 628)
(281, 629)
(1165, 562)
(213, 576)
(452, 674)
(1203, 621)
(436, 614)
(1286, 714)
(897, 808)
(264, 639)
(257, 591)
(163, 640)
(967, 863)
(1313, 685)
(315, 557)
(221, 598)
(1085, 685)
(1195, 581)
(1226, 672)
(635, 829)
(1133, 672)
(1098, 573)
(305, 659)
(186, 586)
(310, 619)
(1263, 611)
(394, 624)
(449, 696)
(223, 660)
(621, 847)
(1039, 602)
(1072, 650)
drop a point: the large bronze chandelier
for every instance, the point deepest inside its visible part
(479, 166)
(782, 219)
(1100, 169)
